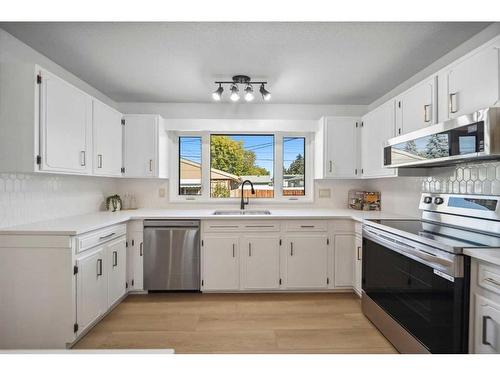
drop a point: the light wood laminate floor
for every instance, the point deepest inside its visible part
(239, 323)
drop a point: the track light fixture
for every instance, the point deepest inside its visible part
(248, 93)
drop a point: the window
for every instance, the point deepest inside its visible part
(294, 166)
(190, 166)
(236, 158)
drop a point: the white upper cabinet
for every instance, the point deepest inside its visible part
(472, 83)
(65, 126)
(107, 139)
(378, 127)
(417, 107)
(145, 146)
(337, 148)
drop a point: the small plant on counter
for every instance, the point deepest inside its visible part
(113, 203)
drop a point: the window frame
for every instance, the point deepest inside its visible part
(278, 168)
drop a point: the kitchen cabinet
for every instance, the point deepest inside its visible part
(260, 262)
(65, 126)
(344, 249)
(473, 82)
(337, 148)
(107, 140)
(306, 261)
(91, 287)
(417, 107)
(145, 146)
(358, 265)
(135, 252)
(220, 259)
(377, 128)
(487, 326)
(116, 258)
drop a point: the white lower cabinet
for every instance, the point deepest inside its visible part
(344, 260)
(487, 326)
(358, 265)
(135, 251)
(306, 265)
(91, 287)
(116, 258)
(220, 263)
(260, 262)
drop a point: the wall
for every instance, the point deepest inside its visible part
(26, 198)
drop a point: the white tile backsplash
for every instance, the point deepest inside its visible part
(26, 198)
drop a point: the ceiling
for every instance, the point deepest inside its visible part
(305, 63)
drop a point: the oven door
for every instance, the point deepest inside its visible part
(428, 304)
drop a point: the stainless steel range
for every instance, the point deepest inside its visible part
(415, 276)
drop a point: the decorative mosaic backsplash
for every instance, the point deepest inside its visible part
(480, 178)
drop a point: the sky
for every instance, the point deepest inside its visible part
(262, 145)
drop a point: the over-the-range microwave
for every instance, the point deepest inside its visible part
(463, 139)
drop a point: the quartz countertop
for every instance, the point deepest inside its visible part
(75, 225)
(488, 255)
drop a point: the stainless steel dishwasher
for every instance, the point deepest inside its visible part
(171, 255)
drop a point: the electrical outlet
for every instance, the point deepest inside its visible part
(325, 193)
(161, 192)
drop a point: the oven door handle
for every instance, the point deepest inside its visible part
(401, 247)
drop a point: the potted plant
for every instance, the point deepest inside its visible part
(113, 203)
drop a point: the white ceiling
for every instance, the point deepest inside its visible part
(308, 63)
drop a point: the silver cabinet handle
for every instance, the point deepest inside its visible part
(151, 165)
(107, 236)
(358, 255)
(249, 249)
(291, 249)
(99, 161)
(307, 226)
(492, 281)
(82, 158)
(484, 339)
(99, 267)
(140, 249)
(115, 258)
(331, 167)
(234, 252)
(427, 113)
(453, 102)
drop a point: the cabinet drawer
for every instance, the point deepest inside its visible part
(306, 226)
(241, 226)
(100, 236)
(221, 226)
(345, 226)
(489, 277)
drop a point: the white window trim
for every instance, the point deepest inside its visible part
(205, 169)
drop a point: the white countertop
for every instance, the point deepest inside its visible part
(74, 225)
(487, 255)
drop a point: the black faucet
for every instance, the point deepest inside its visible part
(243, 203)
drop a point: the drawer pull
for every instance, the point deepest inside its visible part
(291, 249)
(106, 236)
(485, 330)
(249, 249)
(307, 226)
(234, 252)
(99, 267)
(259, 226)
(115, 258)
(223, 226)
(358, 256)
(492, 281)
(140, 249)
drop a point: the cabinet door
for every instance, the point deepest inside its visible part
(474, 83)
(107, 140)
(306, 262)
(486, 326)
(260, 262)
(91, 289)
(416, 108)
(117, 270)
(140, 145)
(378, 127)
(65, 126)
(220, 263)
(137, 250)
(344, 260)
(358, 262)
(341, 147)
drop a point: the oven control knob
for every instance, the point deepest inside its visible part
(438, 200)
(427, 200)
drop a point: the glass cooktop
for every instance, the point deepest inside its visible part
(450, 236)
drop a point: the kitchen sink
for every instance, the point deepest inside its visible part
(242, 212)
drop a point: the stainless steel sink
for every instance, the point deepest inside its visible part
(242, 212)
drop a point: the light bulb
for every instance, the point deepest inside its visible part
(249, 96)
(217, 94)
(235, 96)
(266, 95)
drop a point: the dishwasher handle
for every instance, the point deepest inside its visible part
(171, 224)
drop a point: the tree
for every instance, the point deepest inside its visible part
(230, 156)
(411, 147)
(437, 146)
(220, 191)
(296, 167)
